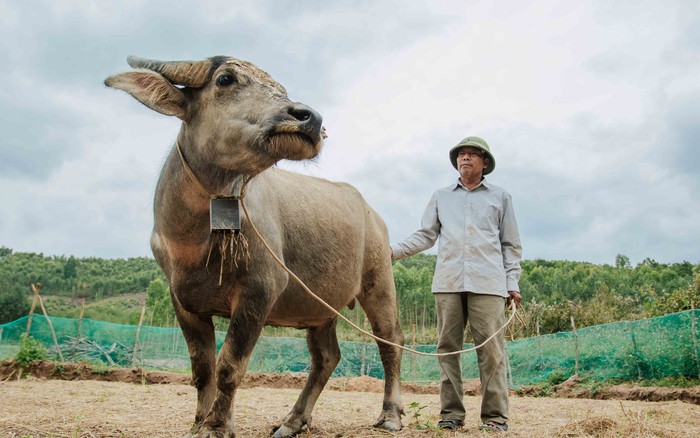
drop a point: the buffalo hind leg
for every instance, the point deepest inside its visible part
(201, 343)
(379, 303)
(325, 355)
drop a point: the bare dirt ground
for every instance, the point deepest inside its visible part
(41, 407)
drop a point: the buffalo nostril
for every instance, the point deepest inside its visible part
(301, 114)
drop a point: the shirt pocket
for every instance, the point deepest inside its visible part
(488, 219)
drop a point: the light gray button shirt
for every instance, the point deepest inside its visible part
(479, 245)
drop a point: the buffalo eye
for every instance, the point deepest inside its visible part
(225, 80)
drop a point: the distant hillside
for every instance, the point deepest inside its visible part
(122, 309)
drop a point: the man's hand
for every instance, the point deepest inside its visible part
(514, 295)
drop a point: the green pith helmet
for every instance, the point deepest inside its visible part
(478, 143)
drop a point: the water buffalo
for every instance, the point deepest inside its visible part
(237, 122)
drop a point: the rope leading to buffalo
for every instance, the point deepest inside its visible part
(329, 307)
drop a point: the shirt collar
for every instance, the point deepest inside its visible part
(483, 183)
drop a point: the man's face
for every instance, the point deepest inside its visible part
(471, 162)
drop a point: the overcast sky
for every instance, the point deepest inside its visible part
(591, 108)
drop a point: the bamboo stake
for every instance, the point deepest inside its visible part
(539, 341)
(573, 324)
(508, 368)
(695, 337)
(261, 352)
(82, 312)
(80, 324)
(413, 356)
(176, 338)
(364, 353)
(636, 353)
(138, 332)
(362, 359)
(35, 289)
(53, 333)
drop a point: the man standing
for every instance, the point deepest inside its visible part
(477, 271)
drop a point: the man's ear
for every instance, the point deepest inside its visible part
(152, 90)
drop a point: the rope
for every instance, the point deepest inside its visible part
(201, 188)
(188, 171)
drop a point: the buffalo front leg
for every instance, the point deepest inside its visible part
(379, 303)
(325, 355)
(201, 343)
(244, 330)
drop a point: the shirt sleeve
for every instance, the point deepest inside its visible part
(422, 239)
(511, 247)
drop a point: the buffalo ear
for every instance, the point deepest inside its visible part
(152, 90)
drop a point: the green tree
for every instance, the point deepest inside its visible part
(159, 304)
(13, 303)
(622, 262)
(70, 268)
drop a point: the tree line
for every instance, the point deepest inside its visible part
(553, 291)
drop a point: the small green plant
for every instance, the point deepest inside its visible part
(76, 430)
(414, 413)
(30, 350)
(58, 369)
(556, 377)
(595, 388)
(545, 390)
(99, 369)
(414, 410)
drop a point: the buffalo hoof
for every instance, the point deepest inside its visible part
(215, 434)
(386, 422)
(209, 433)
(285, 431)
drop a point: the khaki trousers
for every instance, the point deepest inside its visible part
(486, 315)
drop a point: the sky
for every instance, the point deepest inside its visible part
(591, 109)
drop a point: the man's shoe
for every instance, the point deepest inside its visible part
(449, 424)
(492, 426)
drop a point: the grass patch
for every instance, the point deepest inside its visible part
(547, 388)
(668, 381)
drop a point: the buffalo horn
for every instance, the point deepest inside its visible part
(188, 73)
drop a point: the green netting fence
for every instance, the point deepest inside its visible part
(650, 348)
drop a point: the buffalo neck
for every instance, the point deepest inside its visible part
(181, 209)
